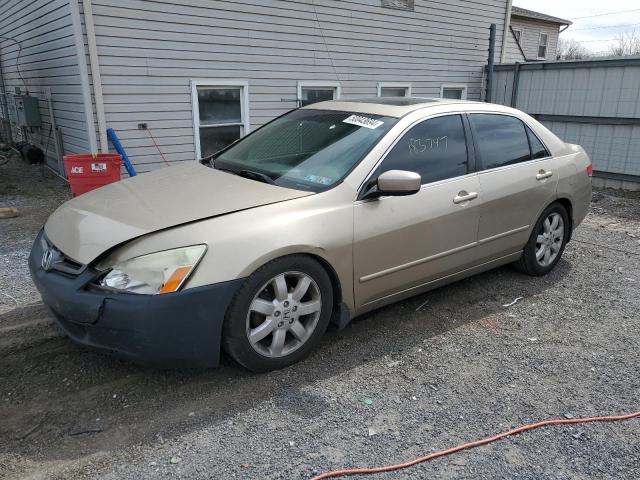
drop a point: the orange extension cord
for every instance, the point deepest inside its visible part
(477, 443)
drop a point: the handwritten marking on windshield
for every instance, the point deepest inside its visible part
(420, 145)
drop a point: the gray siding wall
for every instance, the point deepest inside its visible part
(530, 39)
(605, 89)
(47, 59)
(150, 50)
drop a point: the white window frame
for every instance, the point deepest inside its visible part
(546, 45)
(406, 86)
(518, 35)
(326, 84)
(461, 86)
(243, 85)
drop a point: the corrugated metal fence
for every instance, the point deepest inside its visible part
(595, 103)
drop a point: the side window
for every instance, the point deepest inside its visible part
(537, 148)
(501, 139)
(435, 148)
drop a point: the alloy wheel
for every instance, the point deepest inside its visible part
(549, 239)
(283, 314)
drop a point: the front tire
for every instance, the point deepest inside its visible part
(279, 314)
(546, 243)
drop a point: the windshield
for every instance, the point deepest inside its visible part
(305, 149)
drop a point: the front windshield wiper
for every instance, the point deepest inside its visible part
(259, 176)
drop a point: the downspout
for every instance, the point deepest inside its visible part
(95, 74)
(84, 74)
(4, 107)
(492, 50)
(507, 26)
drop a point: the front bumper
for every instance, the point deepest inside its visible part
(181, 329)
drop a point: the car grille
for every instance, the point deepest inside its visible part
(54, 259)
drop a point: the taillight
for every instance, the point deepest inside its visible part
(590, 170)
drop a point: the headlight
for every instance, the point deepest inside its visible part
(161, 272)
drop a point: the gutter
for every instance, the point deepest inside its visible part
(84, 74)
(507, 26)
(95, 74)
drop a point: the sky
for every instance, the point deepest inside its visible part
(596, 33)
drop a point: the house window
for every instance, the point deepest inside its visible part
(313, 92)
(394, 89)
(220, 114)
(518, 35)
(454, 91)
(399, 4)
(542, 45)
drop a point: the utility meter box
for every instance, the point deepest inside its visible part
(26, 111)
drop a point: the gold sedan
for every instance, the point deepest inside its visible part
(325, 213)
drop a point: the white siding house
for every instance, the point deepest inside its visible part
(200, 73)
(38, 52)
(533, 36)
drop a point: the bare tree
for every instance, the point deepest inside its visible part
(571, 49)
(627, 43)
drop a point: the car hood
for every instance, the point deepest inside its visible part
(88, 225)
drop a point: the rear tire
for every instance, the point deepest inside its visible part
(546, 243)
(279, 314)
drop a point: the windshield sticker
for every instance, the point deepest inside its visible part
(362, 121)
(319, 179)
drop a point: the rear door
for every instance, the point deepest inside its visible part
(517, 181)
(403, 242)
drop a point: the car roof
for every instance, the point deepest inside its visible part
(399, 106)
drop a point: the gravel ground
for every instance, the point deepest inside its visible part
(36, 192)
(442, 368)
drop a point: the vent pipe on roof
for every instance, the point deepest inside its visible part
(95, 75)
(507, 27)
(84, 75)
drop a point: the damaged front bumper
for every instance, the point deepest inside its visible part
(181, 329)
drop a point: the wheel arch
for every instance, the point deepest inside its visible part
(566, 203)
(315, 254)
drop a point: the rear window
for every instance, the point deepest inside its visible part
(538, 150)
(501, 140)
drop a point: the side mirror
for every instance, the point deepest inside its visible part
(395, 183)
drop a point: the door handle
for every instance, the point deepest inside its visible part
(464, 197)
(542, 175)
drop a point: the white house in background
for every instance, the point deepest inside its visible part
(533, 36)
(198, 74)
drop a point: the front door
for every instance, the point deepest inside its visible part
(404, 242)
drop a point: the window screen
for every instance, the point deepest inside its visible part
(393, 91)
(501, 139)
(538, 150)
(399, 4)
(542, 46)
(518, 35)
(220, 118)
(435, 148)
(316, 94)
(450, 92)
